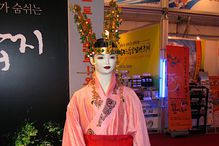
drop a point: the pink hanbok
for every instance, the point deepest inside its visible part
(118, 112)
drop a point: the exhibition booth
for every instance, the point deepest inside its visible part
(169, 56)
(187, 62)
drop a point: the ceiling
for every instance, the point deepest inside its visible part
(155, 14)
(144, 15)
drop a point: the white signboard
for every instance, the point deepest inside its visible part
(79, 67)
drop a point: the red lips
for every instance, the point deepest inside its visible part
(107, 67)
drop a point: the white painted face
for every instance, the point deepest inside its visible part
(104, 63)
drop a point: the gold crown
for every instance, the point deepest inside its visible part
(110, 35)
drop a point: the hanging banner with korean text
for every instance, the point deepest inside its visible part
(33, 63)
(179, 110)
(196, 55)
(140, 50)
(214, 94)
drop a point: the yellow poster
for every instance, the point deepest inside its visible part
(140, 51)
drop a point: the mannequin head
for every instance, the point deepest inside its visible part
(104, 62)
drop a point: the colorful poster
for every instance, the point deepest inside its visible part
(196, 5)
(179, 109)
(149, 3)
(195, 55)
(140, 51)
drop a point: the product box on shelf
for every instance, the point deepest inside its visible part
(151, 110)
(152, 123)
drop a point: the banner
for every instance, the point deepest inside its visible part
(140, 51)
(179, 110)
(195, 55)
(149, 3)
(196, 5)
(214, 93)
(33, 63)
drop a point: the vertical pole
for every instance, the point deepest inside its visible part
(164, 28)
(164, 41)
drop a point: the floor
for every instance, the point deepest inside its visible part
(186, 140)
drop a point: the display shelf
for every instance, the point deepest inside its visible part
(199, 108)
(148, 95)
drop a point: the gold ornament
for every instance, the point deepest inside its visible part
(110, 35)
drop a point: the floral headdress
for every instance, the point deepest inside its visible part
(110, 35)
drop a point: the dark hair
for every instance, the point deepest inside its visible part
(101, 43)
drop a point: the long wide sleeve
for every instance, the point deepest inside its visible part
(72, 134)
(137, 123)
(141, 137)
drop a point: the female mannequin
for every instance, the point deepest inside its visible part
(105, 112)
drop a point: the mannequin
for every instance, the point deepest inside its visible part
(104, 112)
